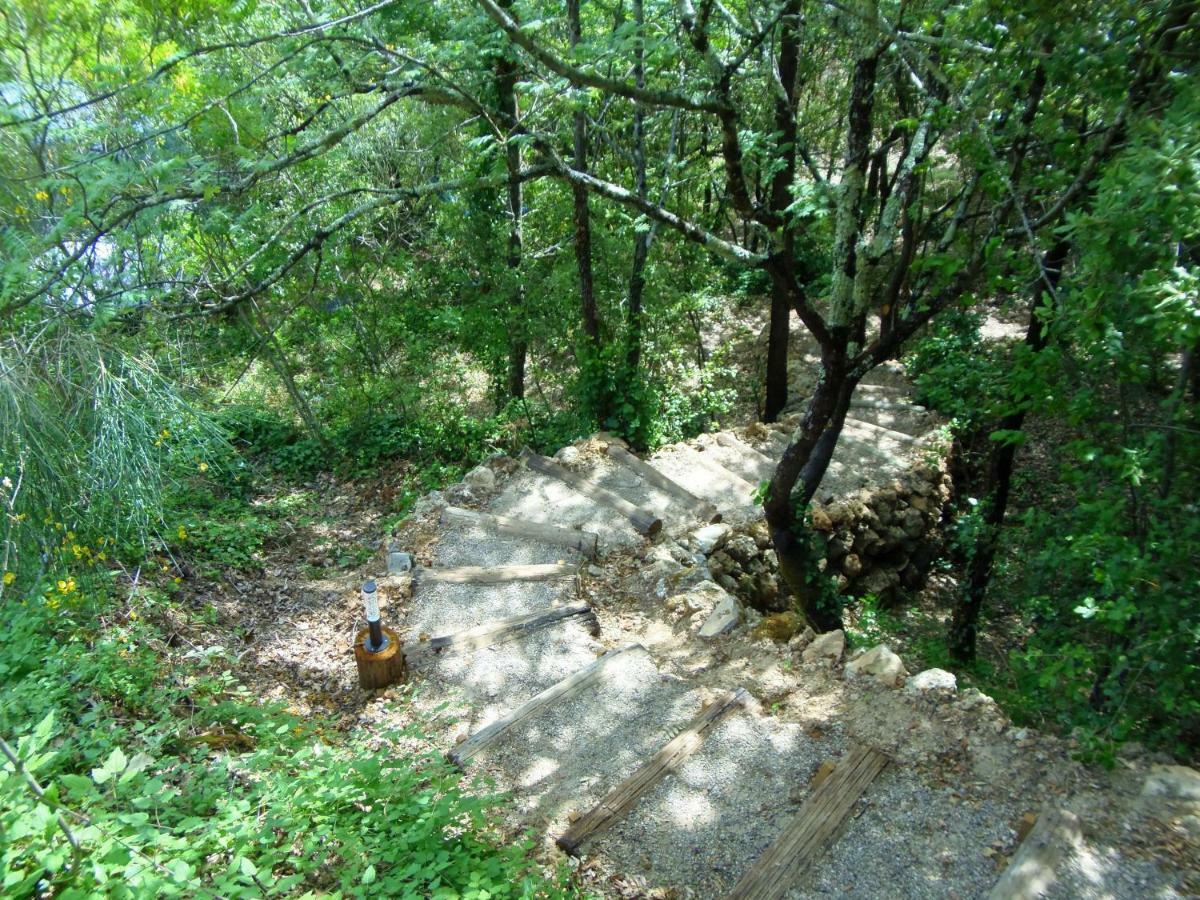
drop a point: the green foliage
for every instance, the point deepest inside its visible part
(176, 782)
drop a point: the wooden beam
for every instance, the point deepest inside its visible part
(496, 632)
(494, 574)
(568, 687)
(1035, 866)
(780, 866)
(702, 508)
(622, 798)
(645, 522)
(585, 542)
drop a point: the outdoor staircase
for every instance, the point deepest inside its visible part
(602, 750)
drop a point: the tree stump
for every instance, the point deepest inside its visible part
(378, 670)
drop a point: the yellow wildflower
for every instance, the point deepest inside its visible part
(70, 535)
(182, 533)
(41, 195)
(102, 556)
(9, 577)
(203, 467)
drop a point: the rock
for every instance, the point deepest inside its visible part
(709, 538)
(779, 627)
(742, 548)
(727, 582)
(399, 562)
(973, 698)
(821, 520)
(1173, 783)
(827, 647)
(932, 681)
(879, 663)
(567, 455)
(703, 597)
(460, 495)
(723, 618)
(802, 640)
(761, 534)
(852, 565)
(595, 571)
(481, 479)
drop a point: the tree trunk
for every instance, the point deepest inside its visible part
(579, 194)
(518, 344)
(777, 357)
(253, 318)
(965, 623)
(641, 245)
(794, 484)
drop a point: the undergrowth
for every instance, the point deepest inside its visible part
(136, 770)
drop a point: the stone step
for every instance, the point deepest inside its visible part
(493, 574)
(882, 432)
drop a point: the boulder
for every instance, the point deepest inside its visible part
(724, 618)
(567, 455)
(932, 681)
(1173, 783)
(852, 565)
(879, 663)
(709, 538)
(827, 648)
(481, 479)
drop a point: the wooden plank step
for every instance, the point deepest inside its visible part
(1034, 868)
(497, 632)
(780, 866)
(702, 508)
(624, 796)
(585, 542)
(568, 687)
(494, 574)
(645, 522)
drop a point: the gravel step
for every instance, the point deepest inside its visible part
(562, 761)
(516, 531)
(439, 607)
(706, 478)
(539, 498)
(704, 826)
(731, 453)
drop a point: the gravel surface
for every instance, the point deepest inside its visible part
(906, 840)
(539, 498)
(568, 756)
(473, 546)
(705, 478)
(701, 829)
(502, 676)
(1101, 873)
(439, 608)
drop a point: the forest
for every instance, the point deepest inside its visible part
(255, 254)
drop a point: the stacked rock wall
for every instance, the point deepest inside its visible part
(879, 541)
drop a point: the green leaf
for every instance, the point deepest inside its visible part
(368, 875)
(113, 766)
